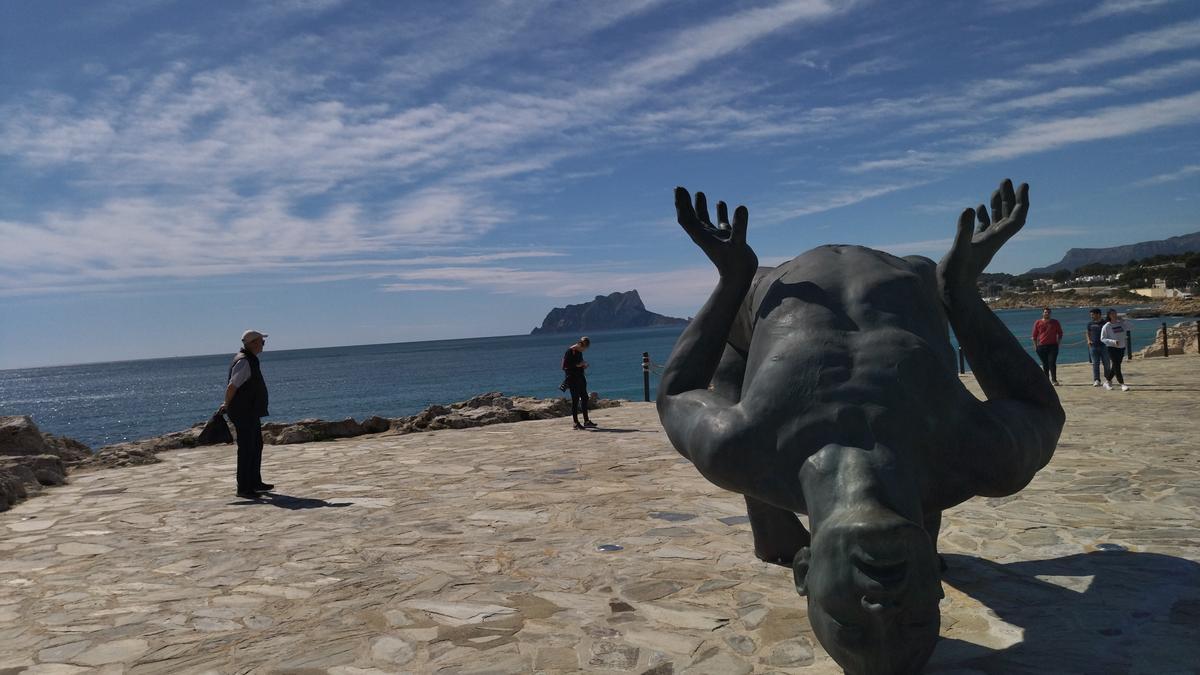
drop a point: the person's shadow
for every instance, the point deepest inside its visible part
(1098, 612)
(289, 502)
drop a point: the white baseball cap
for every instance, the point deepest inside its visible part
(251, 335)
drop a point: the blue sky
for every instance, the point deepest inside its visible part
(336, 172)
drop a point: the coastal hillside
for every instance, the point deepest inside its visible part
(607, 312)
(1119, 255)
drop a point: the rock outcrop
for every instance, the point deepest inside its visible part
(1181, 339)
(606, 312)
(30, 459)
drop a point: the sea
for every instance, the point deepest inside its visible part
(104, 403)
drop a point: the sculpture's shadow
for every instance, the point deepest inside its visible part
(1098, 612)
(289, 502)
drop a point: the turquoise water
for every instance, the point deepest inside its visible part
(104, 403)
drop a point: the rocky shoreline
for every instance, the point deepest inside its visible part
(31, 460)
(1168, 307)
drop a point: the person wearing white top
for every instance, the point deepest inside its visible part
(1114, 336)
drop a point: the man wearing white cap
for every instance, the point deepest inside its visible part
(246, 404)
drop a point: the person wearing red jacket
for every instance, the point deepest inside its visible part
(1047, 334)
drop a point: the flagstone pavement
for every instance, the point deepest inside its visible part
(484, 551)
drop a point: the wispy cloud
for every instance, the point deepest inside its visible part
(1182, 173)
(1032, 136)
(1110, 8)
(875, 66)
(1174, 37)
(836, 199)
(1154, 76)
(1111, 122)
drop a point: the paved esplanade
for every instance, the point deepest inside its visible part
(476, 551)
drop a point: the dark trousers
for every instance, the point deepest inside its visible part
(1049, 356)
(1115, 354)
(249, 448)
(579, 397)
(1099, 355)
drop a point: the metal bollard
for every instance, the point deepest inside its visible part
(1198, 336)
(1166, 345)
(646, 376)
(962, 363)
(1129, 344)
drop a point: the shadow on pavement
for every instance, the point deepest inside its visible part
(1097, 612)
(289, 502)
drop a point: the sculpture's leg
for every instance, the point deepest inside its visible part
(778, 533)
(933, 525)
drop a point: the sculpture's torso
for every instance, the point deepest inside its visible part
(847, 345)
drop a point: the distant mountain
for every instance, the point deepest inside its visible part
(1119, 255)
(606, 312)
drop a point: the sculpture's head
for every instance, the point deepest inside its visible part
(873, 583)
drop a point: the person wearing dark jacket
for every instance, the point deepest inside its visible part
(246, 403)
(573, 367)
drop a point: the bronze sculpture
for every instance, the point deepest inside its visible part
(827, 386)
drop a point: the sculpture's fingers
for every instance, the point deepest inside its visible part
(702, 208)
(962, 238)
(982, 215)
(722, 216)
(1007, 199)
(996, 236)
(685, 215)
(1021, 210)
(997, 207)
(741, 220)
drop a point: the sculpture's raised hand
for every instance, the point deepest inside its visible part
(971, 251)
(723, 243)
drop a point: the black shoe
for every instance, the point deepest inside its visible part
(578, 425)
(590, 424)
(264, 487)
(248, 494)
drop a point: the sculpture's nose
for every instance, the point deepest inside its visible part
(880, 604)
(882, 579)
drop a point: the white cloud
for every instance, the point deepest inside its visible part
(1029, 137)
(875, 66)
(835, 199)
(1154, 76)
(1109, 8)
(1110, 122)
(1183, 172)
(1174, 37)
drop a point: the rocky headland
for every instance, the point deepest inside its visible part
(31, 460)
(607, 312)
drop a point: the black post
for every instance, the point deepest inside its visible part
(646, 375)
(1129, 344)
(1166, 345)
(962, 363)
(1198, 336)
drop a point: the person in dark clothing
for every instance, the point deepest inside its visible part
(573, 367)
(246, 403)
(1097, 350)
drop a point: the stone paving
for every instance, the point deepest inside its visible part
(477, 551)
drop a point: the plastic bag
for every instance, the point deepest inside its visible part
(216, 431)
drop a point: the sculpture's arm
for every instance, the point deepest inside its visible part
(700, 422)
(1014, 433)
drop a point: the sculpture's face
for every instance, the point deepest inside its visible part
(873, 591)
